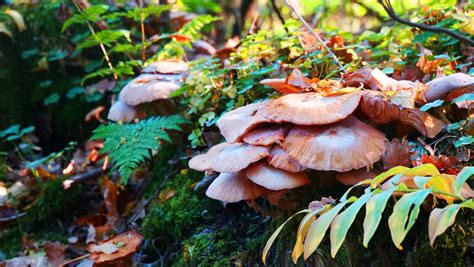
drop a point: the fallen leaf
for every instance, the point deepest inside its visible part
(54, 253)
(110, 200)
(130, 241)
(396, 154)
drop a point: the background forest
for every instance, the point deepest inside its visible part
(186, 133)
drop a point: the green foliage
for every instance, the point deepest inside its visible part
(51, 205)
(172, 218)
(137, 14)
(428, 181)
(192, 30)
(129, 145)
(91, 14)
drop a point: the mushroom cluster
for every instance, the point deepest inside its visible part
(271, 145)
(156, 83)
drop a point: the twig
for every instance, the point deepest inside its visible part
(74, 260)
(80, 178)
(370, 11)
(391, 13)
(341, 68)
(279, 15)
(142, 26)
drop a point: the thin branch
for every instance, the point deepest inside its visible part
(279, 15)
(341, 68)
(142, 27)
(391, 13)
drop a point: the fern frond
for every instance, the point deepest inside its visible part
(129, 145)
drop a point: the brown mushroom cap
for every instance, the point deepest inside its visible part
(382, 111)
(265, 136)
(344, 146)
(236, 123)
(94, 114)
(355, 176)
(234, 187)
(466, 89)
(280, 159)
(311, 108)
(440, 87)
(120, 111)
(226, 157)
(146, 88)
(275, 179)
(167, 67)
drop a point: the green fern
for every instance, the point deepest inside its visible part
(192, 29)
(129, 145)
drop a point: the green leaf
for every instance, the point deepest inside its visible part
(465, 140)
(341, 224)
(91, 14)
(388, 70)
(383, 176)
(129, 145)
(461, 178)
(275, 234)
(318, 229)
(51, 99)
(15, 129)
(440, 220)
(373, 213)
(465, 97)
(303, 230)
(401, 211)
(433, 104)
(455, 126)
(106, 37)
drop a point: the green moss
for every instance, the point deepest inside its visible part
(237, 241)
(449, 248)
(10, 243)
(51, 205)
(172, 218)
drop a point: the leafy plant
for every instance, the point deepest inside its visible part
(427, 181)
(129, 145)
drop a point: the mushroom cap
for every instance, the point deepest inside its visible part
(382, 111)
(226, 157)
(385, 83)
(311, 108)
(236, 123)
(120, 111)
(265, 136)
(167, 67)
(344, 146)
(280, 85)
(146, 88)
(280, 159)
(462, 90)
(275, 179)
(440, 87)
(355, 176)
(234, 187)
(95, 113)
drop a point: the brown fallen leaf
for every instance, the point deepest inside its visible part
(116, 250)
(110, 199)
(54, 253)
(397, 153)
